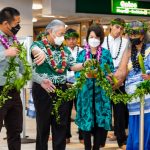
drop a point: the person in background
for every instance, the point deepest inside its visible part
(118, 47)
(137, 34)
(93, 115)
(11, 111)
(71, 39)
(51, 62)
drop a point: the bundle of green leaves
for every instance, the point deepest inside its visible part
(12, 80)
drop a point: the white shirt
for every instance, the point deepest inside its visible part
(114, 45)
(74, 52)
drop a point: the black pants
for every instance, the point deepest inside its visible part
(120, 120)
(11, 114)
(98, 137)
(68, 135)
(43, 106)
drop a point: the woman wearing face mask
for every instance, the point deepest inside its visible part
(93, 118)
(137, 31)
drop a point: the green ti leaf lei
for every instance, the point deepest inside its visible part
(93, 68)
(11, 74)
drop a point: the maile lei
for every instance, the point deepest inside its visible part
(53, 63)
(70, 93)
(12, 80)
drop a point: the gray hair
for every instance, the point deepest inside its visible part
(54, 23)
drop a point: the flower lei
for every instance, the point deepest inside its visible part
(53, 63)
(11, 72)
(98, 52)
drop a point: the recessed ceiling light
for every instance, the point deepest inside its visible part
(37, 6)
(34, 19)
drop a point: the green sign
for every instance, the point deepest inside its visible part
(128, 7)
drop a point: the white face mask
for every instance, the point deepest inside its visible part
(59, 40)
(93, 42)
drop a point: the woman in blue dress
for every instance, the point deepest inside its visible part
(136, 31)
(94, 118)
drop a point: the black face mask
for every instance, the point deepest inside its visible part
(15, 29)
(135, 41)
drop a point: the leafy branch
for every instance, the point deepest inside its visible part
(95, 71)
(12, 80)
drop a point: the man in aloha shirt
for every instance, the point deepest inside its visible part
(52, 60)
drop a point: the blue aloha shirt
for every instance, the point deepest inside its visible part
(84, 116)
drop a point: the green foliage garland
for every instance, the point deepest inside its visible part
(101, 80)
(11, 74)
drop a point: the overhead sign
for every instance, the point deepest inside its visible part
(128, 7)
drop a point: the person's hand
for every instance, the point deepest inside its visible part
(39, 55)
(146, 76)
(120, 77)
(108, 77)
(89, 61)
(11, 52)
(48, 85)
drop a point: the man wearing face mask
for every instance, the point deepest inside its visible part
(53, 71)
(11, 112)
(118, 47)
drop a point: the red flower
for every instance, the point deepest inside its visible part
(53, 62)
(60, 71)
(45, 42)
(62, 54)
(49, 52)
(64, 63)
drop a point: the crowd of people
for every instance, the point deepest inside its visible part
(57, 65)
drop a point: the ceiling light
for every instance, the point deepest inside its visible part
(49, 16)
(37, 6)
(34, 19)
(105, 27)
(66, 26)
(61, 17)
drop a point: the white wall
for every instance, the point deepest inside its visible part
(58, 7)
(25, 9)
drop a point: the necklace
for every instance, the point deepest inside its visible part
(118, 50)
(88, 51)
(53, 63)
(5, 41)
(77, 50)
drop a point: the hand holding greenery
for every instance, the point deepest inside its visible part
(114, 79)
(12, 80)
